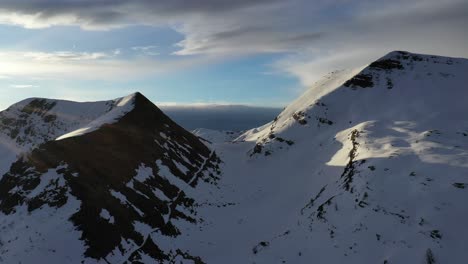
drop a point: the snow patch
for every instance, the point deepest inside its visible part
(106, 215)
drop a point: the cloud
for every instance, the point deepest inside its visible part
(105, 66)
(242, 26)
(147, 50)
(92, 14)
(65, 55)
(144, 48)
(58, 64)
(430, 27)
(209, 26)
(317, 36)
(23, 86)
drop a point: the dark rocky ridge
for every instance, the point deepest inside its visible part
(391, 62)
(95, 164)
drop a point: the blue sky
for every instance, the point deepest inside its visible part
(237, 80)
(263, 52)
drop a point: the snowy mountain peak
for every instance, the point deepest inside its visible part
(406, 55)
(398, 86)
(129, 175)
(369, 165)
(373, 162)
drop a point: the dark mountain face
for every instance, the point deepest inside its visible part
(100, 169)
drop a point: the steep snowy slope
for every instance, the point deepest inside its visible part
(98, 193)
(368, 166)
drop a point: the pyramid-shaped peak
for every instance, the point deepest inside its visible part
(136, 100)
(135, 95)
(138, 94)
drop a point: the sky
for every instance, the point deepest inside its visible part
(262, 53)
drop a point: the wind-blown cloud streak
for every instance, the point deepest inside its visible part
(23, 86)
(89, 65)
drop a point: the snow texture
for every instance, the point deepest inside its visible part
(368, 166)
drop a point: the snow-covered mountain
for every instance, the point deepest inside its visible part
(368, 166)
(97, 193)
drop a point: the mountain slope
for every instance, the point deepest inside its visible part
(117, 183)
(368, 166)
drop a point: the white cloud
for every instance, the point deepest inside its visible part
(422, 27)
(147, 50)
(23, 86)
(89, 66)
(64, 55)
(318, 36)
(144, 48)
(36, 21)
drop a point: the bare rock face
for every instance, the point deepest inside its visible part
(134, 170)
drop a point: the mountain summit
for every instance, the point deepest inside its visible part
(114, 182)
(368, 166)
